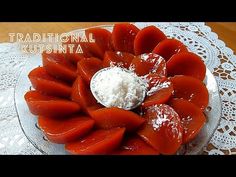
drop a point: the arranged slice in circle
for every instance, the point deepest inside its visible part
(123, 37)
(57, 66)
(186, 63)
(74, 57)
(88, 67)
(97, 142)
(153, 79)
(115, 117)
(65, 130)
(82, 95)
(47, 84)
(160, 91)
(147, 39)
(49, 106)
(168, 47)
(171, 77)
(191, 89)
(72, 54)
(122, 59)
(191, 117)
(135, 146)
(99, 41)
(162, 129)
(149, 63)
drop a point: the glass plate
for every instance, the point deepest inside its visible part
(30, 128)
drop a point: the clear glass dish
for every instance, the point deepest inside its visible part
(29, 126)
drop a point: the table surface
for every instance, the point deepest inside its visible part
(225, 30)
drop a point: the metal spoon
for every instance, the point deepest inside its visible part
(93, 85)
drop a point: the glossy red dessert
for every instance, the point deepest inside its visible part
(170, 115)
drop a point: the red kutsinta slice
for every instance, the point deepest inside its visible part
(186, 63)
(122, 59)
(82, 95)
(192, 118)
(100, 41)
(74, 57)
(191, 89)
(147, 39)
(65, 130)
(148, 63)
(58, 66)
(88, 67)
(50, 106)
(97, 142)
(47, 84)
(72, 53)
(123, 37)
(159, 91)
(168, 47)
(115, 117)
(134, 145)
(162, 129)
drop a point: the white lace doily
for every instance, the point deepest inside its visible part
(199, 39)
